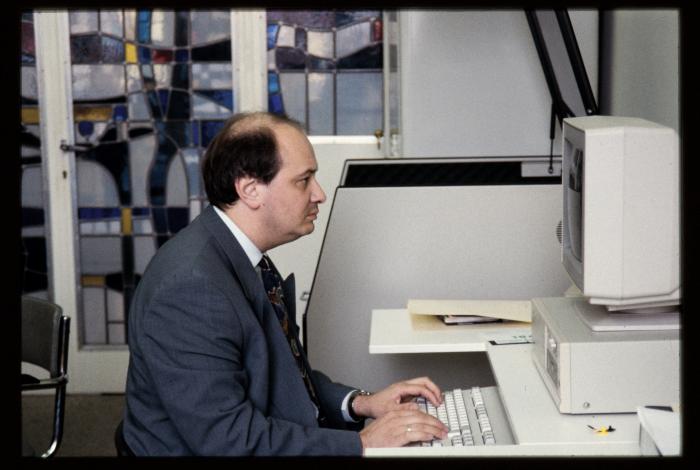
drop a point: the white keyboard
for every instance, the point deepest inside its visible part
(474, 416)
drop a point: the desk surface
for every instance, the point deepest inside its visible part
(537, 425)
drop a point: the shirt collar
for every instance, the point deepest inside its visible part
(252, 251)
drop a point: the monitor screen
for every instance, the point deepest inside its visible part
(573, 200)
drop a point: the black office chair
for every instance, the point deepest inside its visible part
(45, 333)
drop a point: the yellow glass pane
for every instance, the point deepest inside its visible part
(91, 113)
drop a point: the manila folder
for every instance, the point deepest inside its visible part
(513, 310)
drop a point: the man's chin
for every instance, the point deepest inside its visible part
(305, 229)
(308, 228)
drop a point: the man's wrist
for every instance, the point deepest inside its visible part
(353, 401)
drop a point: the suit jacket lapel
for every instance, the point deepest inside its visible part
(240, 264)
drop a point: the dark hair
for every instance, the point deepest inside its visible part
(245, 146)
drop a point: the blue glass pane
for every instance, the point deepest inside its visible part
(98, 213)
(182, 55)
(222, 97)
(86, 128)
(164, 97)
(273, 84)
(209, 130)
(112, 50)
(120, 113)
(138, 211)
(195, 133)
(275, 104)
(272, 35)
(144, 26)
(144, 55)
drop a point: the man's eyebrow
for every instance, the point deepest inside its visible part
(307, 172)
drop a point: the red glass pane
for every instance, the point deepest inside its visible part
(27, 38)
(162, 56)
(377, 30)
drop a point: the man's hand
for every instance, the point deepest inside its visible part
(400, 427)
(397, 397)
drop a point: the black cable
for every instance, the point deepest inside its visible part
(550, 170)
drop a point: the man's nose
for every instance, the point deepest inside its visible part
(318, 195)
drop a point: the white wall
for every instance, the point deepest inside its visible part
(640, 65)
(472, 83)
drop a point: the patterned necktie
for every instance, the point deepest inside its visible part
(273, 286)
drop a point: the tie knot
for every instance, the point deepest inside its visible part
(265, 263)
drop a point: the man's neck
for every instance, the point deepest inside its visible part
(241, 216)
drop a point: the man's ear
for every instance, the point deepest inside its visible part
(248, 190)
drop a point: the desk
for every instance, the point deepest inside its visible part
(537, 426)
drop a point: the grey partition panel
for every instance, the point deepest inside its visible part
(386, 245)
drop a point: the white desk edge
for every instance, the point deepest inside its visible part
(536, 423)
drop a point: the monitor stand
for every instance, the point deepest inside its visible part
(598, 318)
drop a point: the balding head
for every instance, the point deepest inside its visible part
(245, 146)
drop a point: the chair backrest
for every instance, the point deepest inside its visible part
(41, 334)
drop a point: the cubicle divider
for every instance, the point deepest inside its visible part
(423, 232)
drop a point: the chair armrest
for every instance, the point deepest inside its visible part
(54, 382)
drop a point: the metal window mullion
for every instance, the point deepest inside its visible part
(386, 81)
(55, 97)
(249, 59)
(335, 81)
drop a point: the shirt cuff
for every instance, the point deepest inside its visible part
(344, 408)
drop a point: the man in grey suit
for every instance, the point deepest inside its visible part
(215, 368)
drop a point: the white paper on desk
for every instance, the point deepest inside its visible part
(664, 427)
(514, 310)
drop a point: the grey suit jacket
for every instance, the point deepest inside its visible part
(210, 370)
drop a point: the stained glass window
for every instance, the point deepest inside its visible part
(325, 69)
(35, 278)
(150, 90)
